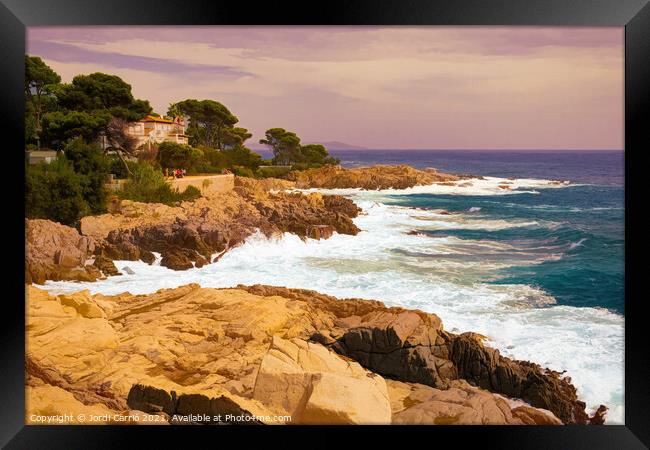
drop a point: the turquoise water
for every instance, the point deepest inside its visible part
(582, 224)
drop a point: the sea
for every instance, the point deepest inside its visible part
(538, 267)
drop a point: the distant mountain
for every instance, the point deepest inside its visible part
(336, 145)
(330, 145)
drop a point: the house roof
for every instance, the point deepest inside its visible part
(156, 119)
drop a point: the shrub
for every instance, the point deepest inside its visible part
(214, 159)
(242, 156)
(178, 156)
(243, 172)
(272, 171)
(56, 192)
(148, 185)
(190, 193)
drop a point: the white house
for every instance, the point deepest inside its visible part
(154, 130)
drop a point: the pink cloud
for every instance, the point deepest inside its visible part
(379, 87)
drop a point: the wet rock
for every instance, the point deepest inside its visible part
(599, 416)
(177, 259)
(320, 231)
(106, 265)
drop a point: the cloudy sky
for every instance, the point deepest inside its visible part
(376, 87)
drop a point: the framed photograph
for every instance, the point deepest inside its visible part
(349, 217)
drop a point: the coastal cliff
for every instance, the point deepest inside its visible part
(185, 236)
(257, 353)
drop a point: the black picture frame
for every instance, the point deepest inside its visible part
(634, 15)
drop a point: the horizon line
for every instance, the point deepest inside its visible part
(476, 149)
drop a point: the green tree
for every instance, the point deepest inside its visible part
(284, 144)
(87, 106)
(102, 92)
(242, 156)
(316, 155)
(234, 137)
(178, 156)
(210, 122)
(40, 82)
(89, 161)
(63, 125)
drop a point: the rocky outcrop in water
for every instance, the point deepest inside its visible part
(258, 352)
(190, 238)
(375, 177)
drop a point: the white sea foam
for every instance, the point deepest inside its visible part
(470, 186)
(418, 271)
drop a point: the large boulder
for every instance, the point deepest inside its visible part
(56, 252)
(417, 404)
(315, 385)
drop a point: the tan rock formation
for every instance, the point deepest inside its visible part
(375, 177)
(245, 352)
(314, 385)
(54, 251)
(460, 404)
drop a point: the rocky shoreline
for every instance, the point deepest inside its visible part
(265, 351)
(257, 351)
(185, 236)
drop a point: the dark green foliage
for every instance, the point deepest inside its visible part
(213, 159)
(210, 123)
(235, 137)
(38, 75)
(116, 166)
(40, 83)
(243, 172)
(100, 91)
(70, 187)
(60, 126)
(242, 156)
(178, 156)
(316, 155)
(284, 144)
(89, 161)
(272, 171)
(86, 106)
(190, 193)
(288, 151)
(149, 185)
(55, 191)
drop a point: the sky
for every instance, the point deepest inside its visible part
(376, 87)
